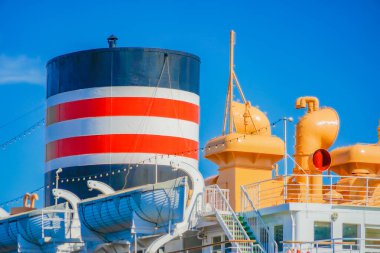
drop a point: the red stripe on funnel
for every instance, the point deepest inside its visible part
(122, 143)
(123, 106)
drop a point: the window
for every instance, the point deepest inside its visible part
(372, 232)
(351, 231)
(217, 248)
(322, 231)
(279, 235)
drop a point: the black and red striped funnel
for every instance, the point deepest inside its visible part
(112, 109)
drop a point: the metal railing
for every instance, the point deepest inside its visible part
(257, 224)
(216, 202)
(215, 198)
(211, 247)
(306, 188)
(336, 245)
(60, 224)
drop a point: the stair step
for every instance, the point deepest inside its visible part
(250, 234)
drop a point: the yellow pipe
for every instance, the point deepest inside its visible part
(311, 102)
(25, 199)
(317, 129)
(33, 199)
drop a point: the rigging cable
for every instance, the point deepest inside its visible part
(20, 197)
(22, 115)
(21, 135)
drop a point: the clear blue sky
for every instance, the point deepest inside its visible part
(285, 49)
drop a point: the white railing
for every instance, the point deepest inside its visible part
(336, 245)
(216, 202)
(215, 198)
(253, 249)
(257, 224)
(306, 188)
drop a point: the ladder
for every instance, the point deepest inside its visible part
(252, 220)
(229, 222)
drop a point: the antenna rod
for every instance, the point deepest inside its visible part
(230, 91)
(231, 79)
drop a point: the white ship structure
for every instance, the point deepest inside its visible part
(122, 172)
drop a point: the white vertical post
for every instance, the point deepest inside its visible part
(285, 119)
(258, 200)
(366, 192)
(285, 161)
(134, 233)
(331, 193)
(135, 242)
(285, 149)
(56, 184)
(156, 179)
(307, 188)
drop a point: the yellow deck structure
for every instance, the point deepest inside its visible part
(246, 154)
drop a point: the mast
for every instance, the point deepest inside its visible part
(230, 91)
(231, 80)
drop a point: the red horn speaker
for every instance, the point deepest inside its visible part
(321, 159)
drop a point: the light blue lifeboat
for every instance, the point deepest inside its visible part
(27, 226)
(112, 215)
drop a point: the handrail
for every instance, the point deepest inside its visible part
(312, 175)
(55, 221)
(355, 244)
(358, 191)
(231, 211)
(189, 212)
(299, 166)
(210, 245)
(229, 208)
(260, 219)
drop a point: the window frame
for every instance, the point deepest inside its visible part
(358, 235)
(222, 246)
(279, 244)
(370, 244)
(322, 239)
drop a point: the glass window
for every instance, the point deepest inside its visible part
(351, 231)
(372, 235)
(217, 248)
(279, 235)
(322, 231)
